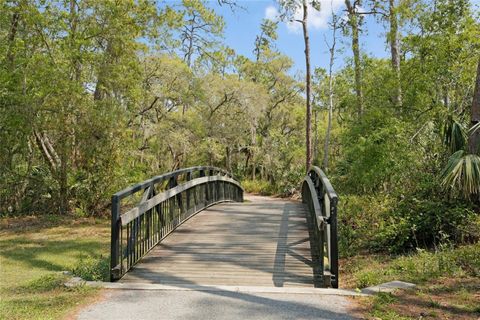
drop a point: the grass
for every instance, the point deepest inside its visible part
(448, 283)
(441, 298)
(34, 251)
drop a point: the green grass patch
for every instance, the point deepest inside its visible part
(368, 270)
(447, 283)
(34, 251)
(44, 283)
(380, 307)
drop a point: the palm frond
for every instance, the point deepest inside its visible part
(474, 128)
(462, 173)
(454, 135)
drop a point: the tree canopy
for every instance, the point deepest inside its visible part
(97, 95)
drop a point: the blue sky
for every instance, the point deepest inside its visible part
(242, 26)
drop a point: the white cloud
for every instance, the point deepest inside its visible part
(316, 19)
(271, 13)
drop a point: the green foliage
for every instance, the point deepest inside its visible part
(418, 219)
(135, 90)
(359, 220)
(390, 169)
(455, 136)
(426, 222)
(258, 187)
(93, 268)
(377, 156)
(463, 173)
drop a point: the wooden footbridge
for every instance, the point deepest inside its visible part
(194, 227)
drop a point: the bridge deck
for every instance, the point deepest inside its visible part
(261, 242)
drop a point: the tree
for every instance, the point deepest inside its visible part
(474, 134)
(264, 42)
(331, 50)
(395, 50)
(199, 31)
(308, 118)
(290, 7)
(354, 22)
(263, 48)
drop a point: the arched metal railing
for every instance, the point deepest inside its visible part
(145, 213)
(322, 200)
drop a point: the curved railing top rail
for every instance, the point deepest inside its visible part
(154, 180)
(328, 188)
(146, 205)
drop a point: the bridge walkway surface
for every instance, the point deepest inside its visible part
(260, 242)
(220, 264)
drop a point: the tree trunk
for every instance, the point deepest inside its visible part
(330, 96)
(11, 38)
(308, 117)
(315, 131)
(63, 172)
(395, 51)
(188, 55)
(253, 142)
(47, 151)
(474, 137)
(353, 22)
(101, 88)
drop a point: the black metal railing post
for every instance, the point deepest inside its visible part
(334, 243)
(115, 238)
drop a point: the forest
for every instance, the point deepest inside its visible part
(98, 95)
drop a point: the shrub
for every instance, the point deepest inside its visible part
(93, 268)
(382, 223)
(259, 187)
(360, 219)
(427, 222)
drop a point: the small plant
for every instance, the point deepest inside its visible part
(434, 304)
(92, 268)
(367, 278)
(385, 298)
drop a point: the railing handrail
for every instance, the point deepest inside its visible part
(326, 183)
(149, 204)
(316, 202)
(316, 190)
(154, 180)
